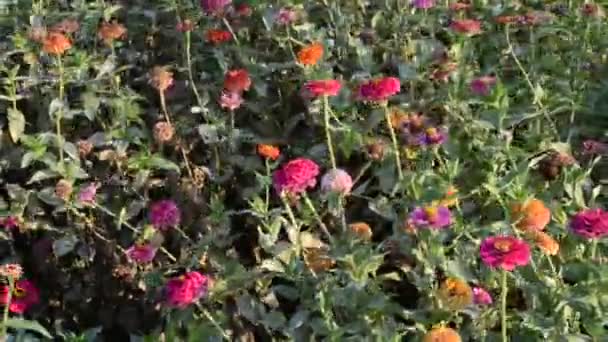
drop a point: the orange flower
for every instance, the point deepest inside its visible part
(442, 334)
(268, 151)
(217, 36)
(109, 32)
(161, 78)
(399, 118)
(456, 294)
(507, 19)
(317, 260)
(56, 44)
(544, 242)
(362, 230)
(531, 215)
(310, 54)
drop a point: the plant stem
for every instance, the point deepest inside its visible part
(11, 284)
(267, 190)
(163, 105)
(317, 217)
(229, 27)
(215, 323)
(59, 114)
(503, 308)
(190, 74)
(330, 147)
(387, 116)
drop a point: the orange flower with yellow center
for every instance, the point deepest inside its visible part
(544, 242)
(531, 215)
(310, 54)
(109, 32)
(362, 230)
(268, 151)
(56, 44)
(442, 334)
(456, 294)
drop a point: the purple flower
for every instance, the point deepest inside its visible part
(482, 85)
(432, 136)
(433, 217)
(87, 193)
(141, 253)
(590, 223)
(214, 7)
(337, 180)
(423, 4)
(481, 296)
(164, 214)
(231, 100)
(286, 16)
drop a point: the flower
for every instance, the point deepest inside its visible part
(185, 25)
(544, 242)
(455, 293)
(321, 88)
(431, 136)
(296, 176)
(317, 260)
(230, 100)
(481, 85)
(141, 253)
(399, 119)
(362, 230)
(9, 222)
(375, 150)
(310, 54)
(243, 10)
(14, 271)
(84, 147)
(218, 36)
(24, 295)
(379, 89)
(469, 27)
(237, 81)
(594, 147)
(268, 151)
(109, 32)
(442, 334)
(590, 223)
(337, 180)
(433, 217)
(161, 78)
(186, 289)
(214, 7)
(530, 215)
(460, 6)
(87, 193)
(63, 189)
(423, 4)
(56, 44)
(66, 26)
(481, 296)
(507, 19)
(593, 10)
(551, 166)
(286, 16)
(163, 132)
(443, 71)
(506, 252)
(164, 214)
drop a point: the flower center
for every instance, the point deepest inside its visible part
(19, 292)
(432, 213)
(503, 245)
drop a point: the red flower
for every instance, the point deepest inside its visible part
(506, 252)
(296, 176)
(590, 223)
(466, 26)
(321, 88)
(25, 294)
(237, 81)
(217, 36)
(243, 10)
(185, 290)
(379, 89)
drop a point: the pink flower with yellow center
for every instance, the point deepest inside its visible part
(506, 252)
(433, 217)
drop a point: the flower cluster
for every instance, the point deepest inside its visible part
(296, 176)
(378, 90)
(186, 289)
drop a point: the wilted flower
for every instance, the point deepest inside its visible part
(186, 289)
(537, 17)
(84, 147)
(432, 217)
(376, 149)
(296, 176)
(87, 194)
(506, 252)
(109, 32)
(214, 7)
(337, 180)
(63, 189)
(141, 253)
(56, 44)
(551, 166)
(237, 81)
(379, 89)
(164, 214)
(481, 85)
(530, 215)
(423, 4)
(185, 25)
(13, 271)
(218, 36)
(163, 132)
(310, 54)
(469, 27)
(161, 78)
(231, 100)
(456, 294)
(24, 295)
(544, 242)
(286, 16)
(317, 260)
(442, 334)
(268, 151)
(481, 296)
(362, 230)
(321, 88)
(66, 26)
(590, 223)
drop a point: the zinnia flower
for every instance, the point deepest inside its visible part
(164, 214)
(433, 217)
(9, 222)
(231, 100)
(243, 10)
(109, 32)
(286, 16)
(268, 151)
(185, 26)
(87, 194)
(442, 334)
(531, 215)
(481, 296)
(161, 78)
(214, 7)
(14, 271)
(337, 180)
(506, 252)
(66, 26)
(469, 27)
(594, 147)
(481, 85)
(460, 6)
(310, 54)
(186, 289)
(24, 295)
(296, 176)
(56, 44)
(141, 253)
(163, 132)
(317, 260)
(590, 223)
(431, 136)
(362, 230)
(321, 88)
(379, 89)
(218, 36)
(544, 242)
(237, 81)
(456, 294)
(423, 4)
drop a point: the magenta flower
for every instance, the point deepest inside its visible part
(141, 253)
(231, 100)
(433, 217)
(186, 289)
(9, 222)
(481, 296)
(506, 252)
(87, 194)
(379, 89)
(482, 85)
(286, 16)
(214, 7)
(321, 88)
(423, 4)
(432, 136)
(25, 294)
(594, 147)
(164, 214)
(337, 180)
(296, 176)
(590, 223)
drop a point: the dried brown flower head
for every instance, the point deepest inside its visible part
(161, 78)
(84, 147)
(66, 26)
(63, 189)
(109, 32)
(362, 230)
(163, 132)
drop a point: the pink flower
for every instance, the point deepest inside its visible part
(296, 176)
(481, 85)
(186, 289)
(141, 253)
(469, 27)
(434, 217)
(214, 7)
(506, 252)
(286, 16)
(9, 222)
(164, 214)
(25, 294)
(337, 180)
(231, 101)
(423, 4)
(590, 223)
(321, 88)
(594, 147)
(481, 296)
(379, 89)
(87, 193)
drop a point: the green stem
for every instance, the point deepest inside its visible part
(215, 323)
(59, 114)
(294, 223)
(330, 147)
(229, 27)
(503, 311)
(267, 187)
(190, 74)
(387, 116)
(11, 284)
(593, 249)
(317, 217)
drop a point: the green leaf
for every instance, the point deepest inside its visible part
(18, 323)
(16, 123)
